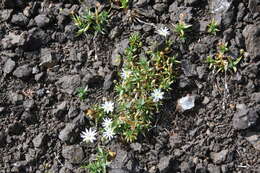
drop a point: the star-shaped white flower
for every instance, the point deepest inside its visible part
(157, 95)
(107, 123)
(89, 135)
(163, 31)
(108, 106)
(109, 133)
(125, 73)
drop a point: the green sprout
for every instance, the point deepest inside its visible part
(91, 21)
(82, 93)
(124, 4)
(213, 27)
(181, 28)
(222, 62)
(100, 163)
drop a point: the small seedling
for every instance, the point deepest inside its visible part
(91, 21)
(100, 163)
(181, 28)
(82, 93)
(213, 27)
(221, 62)
(121, 3)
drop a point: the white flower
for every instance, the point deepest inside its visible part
(89, 135)
(126, 74)
(157, 95)
(163, 31)
(107, 123)
(109, 133)
(108, 106)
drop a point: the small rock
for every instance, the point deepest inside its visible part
(20, 20)
(48, 59)
(160, 7)
(192, 2)
(254, 6)
(73, 112)
(256, 97)
(203, 26)
(70, 83)
(219, 157)
(120, 159)
(68, 133)
(23, 71)
(118, 51)
(108, 82)
(16, 98)
(28, 117)
(9, 66)
(164, 164)
(116, 170)
(186, 103)
(252, 40)
(39, 140)
(61, 110)
(186, 167)
(5, 14)
(136, 147)
(73, 153)
(175, 140)
(188, 68)
(42, 20)
(244, 118)
(254, 139)
(214, 169)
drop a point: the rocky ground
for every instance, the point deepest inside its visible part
(43, 62)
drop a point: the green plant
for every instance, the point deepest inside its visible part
(82, 93)
(181, 28)
(140, 90)
(124, 4)
(100, 163)
(213, 27)
(91, 21)
(221, 61)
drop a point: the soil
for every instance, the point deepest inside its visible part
(43, 62)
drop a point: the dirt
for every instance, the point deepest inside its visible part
(43, 62)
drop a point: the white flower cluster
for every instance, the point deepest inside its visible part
(90, 134)
(157, 95)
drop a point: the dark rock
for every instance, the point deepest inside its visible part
(203, 26)
(201, 48)
(70, 31)
(38, 76)
(16, 128)
(23, 71)
(68, 133)
(73, 153)
(118, 51)
(20, 20)
(241, 11)
(214, 169)
(251, 34)
(219, 157)
(35, 39)
(61, 110)
(73, 112)
(75, 55)
(48, 58)
(164, 164)
(254, 139)
(28, 117)
(28, 104)
(175, 140)
(2, 139)
(244, 118)
(70, 83)
(39, 140)
(5, 14)
(200, 168)
(42, 20)
(9, 66)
